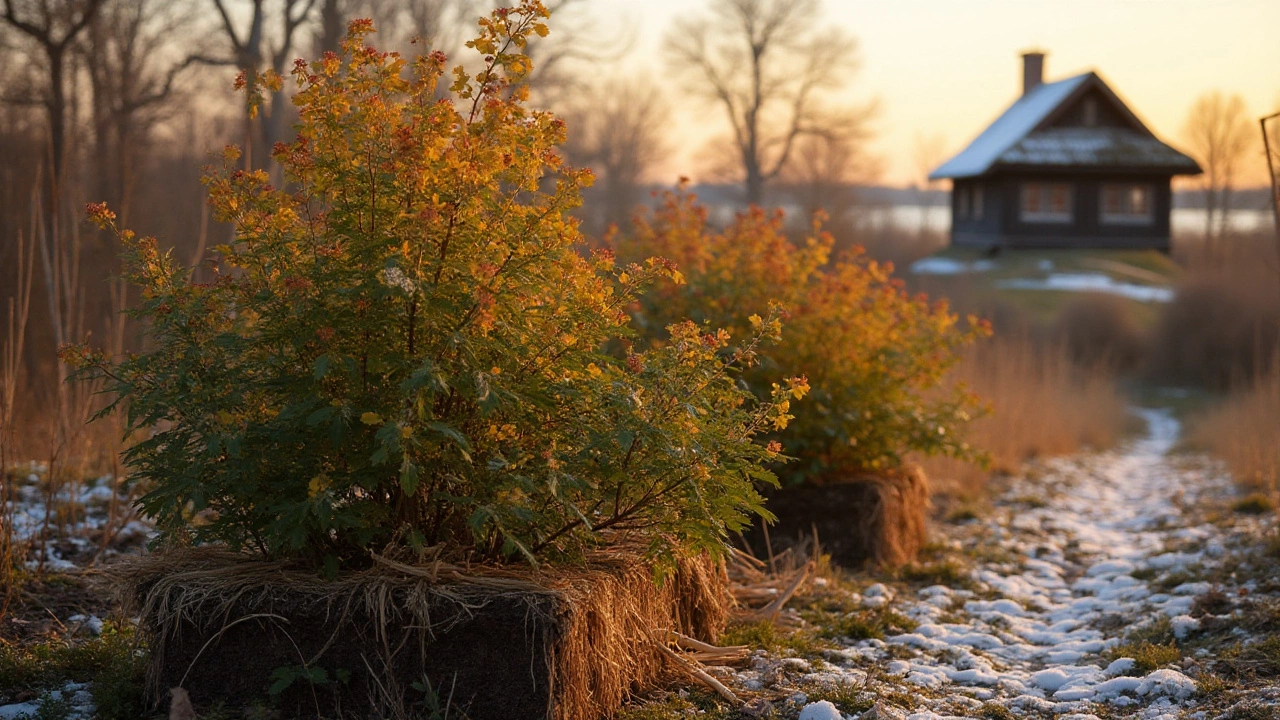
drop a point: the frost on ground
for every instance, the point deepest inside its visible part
(1101, 586)
(53, 637)
(1091, 282)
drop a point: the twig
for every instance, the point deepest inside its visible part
(700, 675)
(770, 612)
(773, 566)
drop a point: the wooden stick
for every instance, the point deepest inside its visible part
(768, 546)
(770, 612)
(698, 674)
(696, 645)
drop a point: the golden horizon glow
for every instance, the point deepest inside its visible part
(949, 67)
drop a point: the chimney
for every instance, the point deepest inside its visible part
(1032, 70)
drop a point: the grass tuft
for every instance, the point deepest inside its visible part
(109, 663)
(946, 572)
(1147, 657)
(995, 711)
(1254, 504)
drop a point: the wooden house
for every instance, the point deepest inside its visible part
(1068, 165)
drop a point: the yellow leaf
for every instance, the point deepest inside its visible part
(318, 484)
(371, 418)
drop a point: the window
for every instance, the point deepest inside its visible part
(1126, 204)
(962, 202)
(1046, 203)
(977, 202)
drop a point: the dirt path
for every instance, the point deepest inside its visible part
(1102, 586)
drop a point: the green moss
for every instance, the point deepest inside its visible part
(109, 663)
(863, 624)
(946, 572)
(1209, 686)
(1263, 658)
(674, 707)
(764, 635)
(995, 711)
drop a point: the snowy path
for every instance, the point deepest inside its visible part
(1073, 560)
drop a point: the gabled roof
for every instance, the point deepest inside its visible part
(1020, 136)
(1097, 147)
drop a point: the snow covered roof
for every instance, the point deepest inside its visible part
(1013, 139)
(1021, 118)
(1098, 148)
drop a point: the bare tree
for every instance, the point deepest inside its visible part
(827, 166)
(133, 66)
(765, 64)
(435, 24)
(252, 52)
(1219, 135)
(53, 26)
(620, 137)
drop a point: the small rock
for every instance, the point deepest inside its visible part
(797, 665)
(757, 708)
(821, 710)
(180, 706)
(878, 590)
(882, 711)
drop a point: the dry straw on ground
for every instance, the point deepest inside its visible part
(860, 519)
(598, 625)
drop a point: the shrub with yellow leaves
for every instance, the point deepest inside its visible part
(876, 358)
(402, 345)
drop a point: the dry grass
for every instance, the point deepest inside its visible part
(1042, 404)
(894, 528)
(1244, 430)
(600, 618)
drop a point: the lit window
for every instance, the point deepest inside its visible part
(1046, 203)
(1124, 204)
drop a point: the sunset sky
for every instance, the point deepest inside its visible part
(949, 67)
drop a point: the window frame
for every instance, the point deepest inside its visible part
(1126, 215)
(1044, 194)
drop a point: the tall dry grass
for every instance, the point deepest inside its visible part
(1244, 430)
(1042, 404)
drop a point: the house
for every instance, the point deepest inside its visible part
(1068, 165)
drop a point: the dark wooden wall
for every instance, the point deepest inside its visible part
(1002, 226)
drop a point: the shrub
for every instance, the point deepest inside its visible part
(403, 346)
(874, 356)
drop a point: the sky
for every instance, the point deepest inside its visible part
(949, 67)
